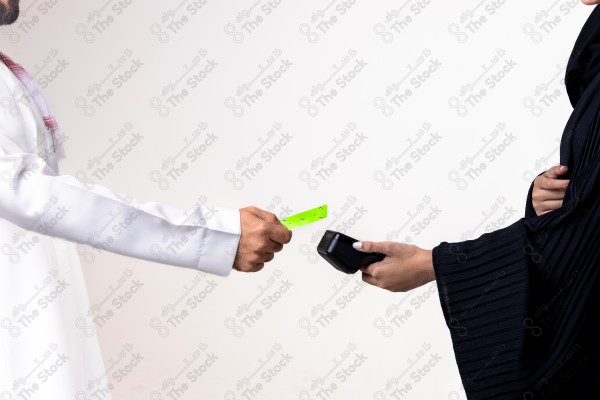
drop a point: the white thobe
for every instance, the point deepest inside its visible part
(48, 347)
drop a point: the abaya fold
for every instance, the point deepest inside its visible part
(522, 303)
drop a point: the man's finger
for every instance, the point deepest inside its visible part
(280, 234)
(277, 247)
(259, 266)
(270, 246)
(265, 215)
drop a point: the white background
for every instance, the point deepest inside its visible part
(511, 134)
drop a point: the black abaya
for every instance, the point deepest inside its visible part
(522, 302)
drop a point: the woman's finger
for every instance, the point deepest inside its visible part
(545, 195)
(381, 247)
(549, 206)
(555, 172)
(369, 279)
(553, 184)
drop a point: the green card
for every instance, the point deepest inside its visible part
(305, 218)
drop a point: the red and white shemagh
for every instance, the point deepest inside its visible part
(36, 94)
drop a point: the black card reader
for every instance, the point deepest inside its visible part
(337, 249)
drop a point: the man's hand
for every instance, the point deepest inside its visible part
(549, 191)
(262, 236)
(406, 266)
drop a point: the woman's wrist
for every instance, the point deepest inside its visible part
(426, 265)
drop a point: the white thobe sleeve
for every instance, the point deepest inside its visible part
(34, 197)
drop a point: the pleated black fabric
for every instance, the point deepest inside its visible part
(523, 303)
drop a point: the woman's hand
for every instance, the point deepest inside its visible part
(406, 266)
(549, 191)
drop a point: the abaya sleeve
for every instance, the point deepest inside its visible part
(521, 303)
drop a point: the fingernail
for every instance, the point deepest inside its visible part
(562, 168)
(357, 245)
